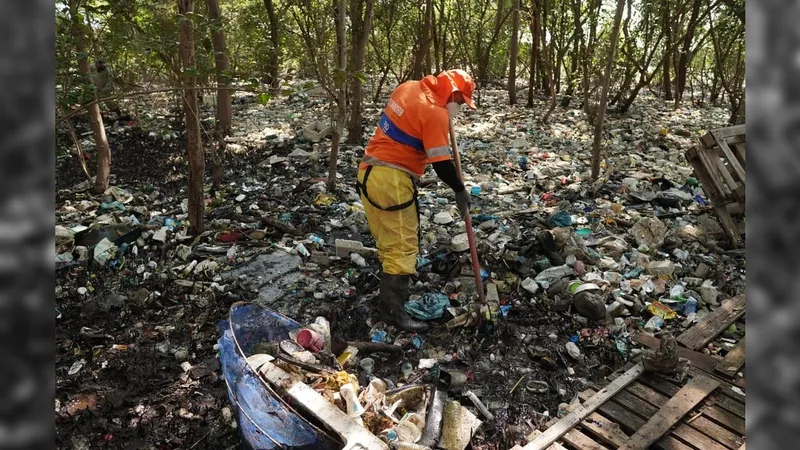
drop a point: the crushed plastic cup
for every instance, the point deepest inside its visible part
(367, 364)
(690, 307)
(655, 323)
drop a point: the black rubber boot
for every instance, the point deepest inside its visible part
(393, 296)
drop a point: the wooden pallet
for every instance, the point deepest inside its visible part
(653, 412)
(719, 163)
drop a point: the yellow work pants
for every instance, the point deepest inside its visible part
(395, 232)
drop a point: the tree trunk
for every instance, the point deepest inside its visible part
(194, 145)
(341, 101)
(80, 33)
(543, 52)
(685, 57)
(425, 41)
(601, 110)
(666, 82)
(223, 120)
(512, 68)
(534, 28)
(360, 33)
(573, 71)
(588, 55)
(547, 68)
(273, 64)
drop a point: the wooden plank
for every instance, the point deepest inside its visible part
(722, 420)
(607, 431)
(738, 139)
(734, 360)
(570, 420)
(724, 396)
(714, 323)
(730, 183)
(725, 418)
(715, 431)
(700, 424)
(739, 150)
(554, 446)
(669, 389)
(738, 170)
(703, 167)
(702, 361)
(716, 171)
(631, 422)
(675, 408)
(729, 131)
(581, 441)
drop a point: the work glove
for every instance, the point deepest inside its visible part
(462, 200)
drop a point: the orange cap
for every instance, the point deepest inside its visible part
(457, 80)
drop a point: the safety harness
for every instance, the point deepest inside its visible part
(397, 135)
(400, 136)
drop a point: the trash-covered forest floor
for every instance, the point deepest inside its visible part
(576, 266)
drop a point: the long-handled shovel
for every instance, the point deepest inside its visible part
(473, 250)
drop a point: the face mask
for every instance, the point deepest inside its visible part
(452, 109)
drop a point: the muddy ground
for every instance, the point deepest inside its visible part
(119, 384)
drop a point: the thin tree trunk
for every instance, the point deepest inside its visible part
(543, 53)
(577, 53)
(685, 57)
(425, 41)
(588, 55)
(224, 113)
(194, 145)
(601, 111)
(547, 67)
(512, 68)
(273, 64)
(341, 100)
(534, 27)
(103, 172)
(666, 82)
(360, 31)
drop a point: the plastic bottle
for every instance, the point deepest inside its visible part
(231, 254)
(690, 306)
(354, 408)
(358, 260)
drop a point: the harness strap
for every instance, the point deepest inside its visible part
(362, 188)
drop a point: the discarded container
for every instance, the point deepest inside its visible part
(655, 323)
(530, 285)
(661, 268)
(354, 408)
(367, 365)
(661, 310)
(573, 350)
(475, 190)
(690, 307)
(458, 427)
(264, 420)
(103, 251)
(358, 260)
(310, 340)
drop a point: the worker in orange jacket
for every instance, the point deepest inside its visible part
(413, 131)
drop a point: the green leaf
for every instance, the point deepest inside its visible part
(263, 98)
(361, 76)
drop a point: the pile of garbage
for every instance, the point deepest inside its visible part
(407, 410)
(571, 267)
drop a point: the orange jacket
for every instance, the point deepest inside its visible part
(413, 130)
